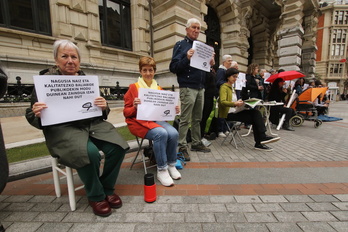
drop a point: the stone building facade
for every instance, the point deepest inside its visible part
(332, 42)
(273, 33)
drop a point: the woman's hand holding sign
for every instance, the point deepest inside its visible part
(37, 107)
(177, 109)
(101, 102)
(136, 102)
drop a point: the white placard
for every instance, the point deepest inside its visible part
(240, 82)
(157, 105)
(202, 56)
(266, 75)
(68, 98)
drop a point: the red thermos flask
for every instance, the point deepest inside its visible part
(149, 188)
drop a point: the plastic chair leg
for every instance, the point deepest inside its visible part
(71, 188)
(56, 177)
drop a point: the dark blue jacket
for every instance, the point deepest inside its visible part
(220, 77)
(187, 76)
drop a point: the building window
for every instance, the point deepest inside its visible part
(26, 15)
(115, 23)
(338, 46)
(341, 17)
(336, 69)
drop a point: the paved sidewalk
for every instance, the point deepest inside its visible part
(301, 186)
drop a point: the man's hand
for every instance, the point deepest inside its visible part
(190, 53)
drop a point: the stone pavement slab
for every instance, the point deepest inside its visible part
(301, 186)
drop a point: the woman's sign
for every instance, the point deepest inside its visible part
(68, 98)
(157, 105)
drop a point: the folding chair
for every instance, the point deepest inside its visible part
(143, 157)
(233, 129)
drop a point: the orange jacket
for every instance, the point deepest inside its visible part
(138, 128)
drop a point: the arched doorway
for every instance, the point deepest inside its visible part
(213, 32)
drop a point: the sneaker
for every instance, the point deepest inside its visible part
(222, 135)
(185, 153)
(174, 173)
(262, 147)
(270, 139)
(164, 177)
(200, 148)
(206, 142)
(227, 133)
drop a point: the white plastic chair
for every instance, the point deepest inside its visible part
(68, 174)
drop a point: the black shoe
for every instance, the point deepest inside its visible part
(289, 128)
(269, 139)
(200, 148)
(212, 136)
(185, 153)
(262, 147)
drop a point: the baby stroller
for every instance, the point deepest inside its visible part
(305, 108)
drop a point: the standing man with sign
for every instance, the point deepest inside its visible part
(77, 143)
(191, 83)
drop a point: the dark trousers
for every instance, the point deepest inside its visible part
(277, 111)
(254, 118)
(97, 187)
(321, 110)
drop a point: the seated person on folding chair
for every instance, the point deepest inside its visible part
(321, 105)
(227, 103)
(163, 135)
(278, 93)
(76, 144)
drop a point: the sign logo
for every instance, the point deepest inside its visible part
(87, 105)
(166, 112)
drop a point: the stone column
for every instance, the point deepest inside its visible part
(309, 47)
(234, 30)
(291, 35)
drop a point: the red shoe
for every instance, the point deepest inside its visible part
(114, 201)
(100, 208)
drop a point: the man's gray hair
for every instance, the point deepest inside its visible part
(64, 43)
(192, 21)
(234, 64)
(225, 57)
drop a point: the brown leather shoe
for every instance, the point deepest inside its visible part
(114, 201)
(100, 208)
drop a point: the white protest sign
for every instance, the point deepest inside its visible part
(265, 77)
(240, 82)
(202, 56)
(157, 105)
(68, 98)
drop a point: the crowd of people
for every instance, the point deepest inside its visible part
(78, 143)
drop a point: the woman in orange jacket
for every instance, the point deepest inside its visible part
(164, 136)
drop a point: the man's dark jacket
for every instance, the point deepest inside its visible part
(188, 77)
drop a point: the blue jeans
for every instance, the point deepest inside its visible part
(165, 143)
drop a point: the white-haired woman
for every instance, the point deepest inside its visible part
(77, 143)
